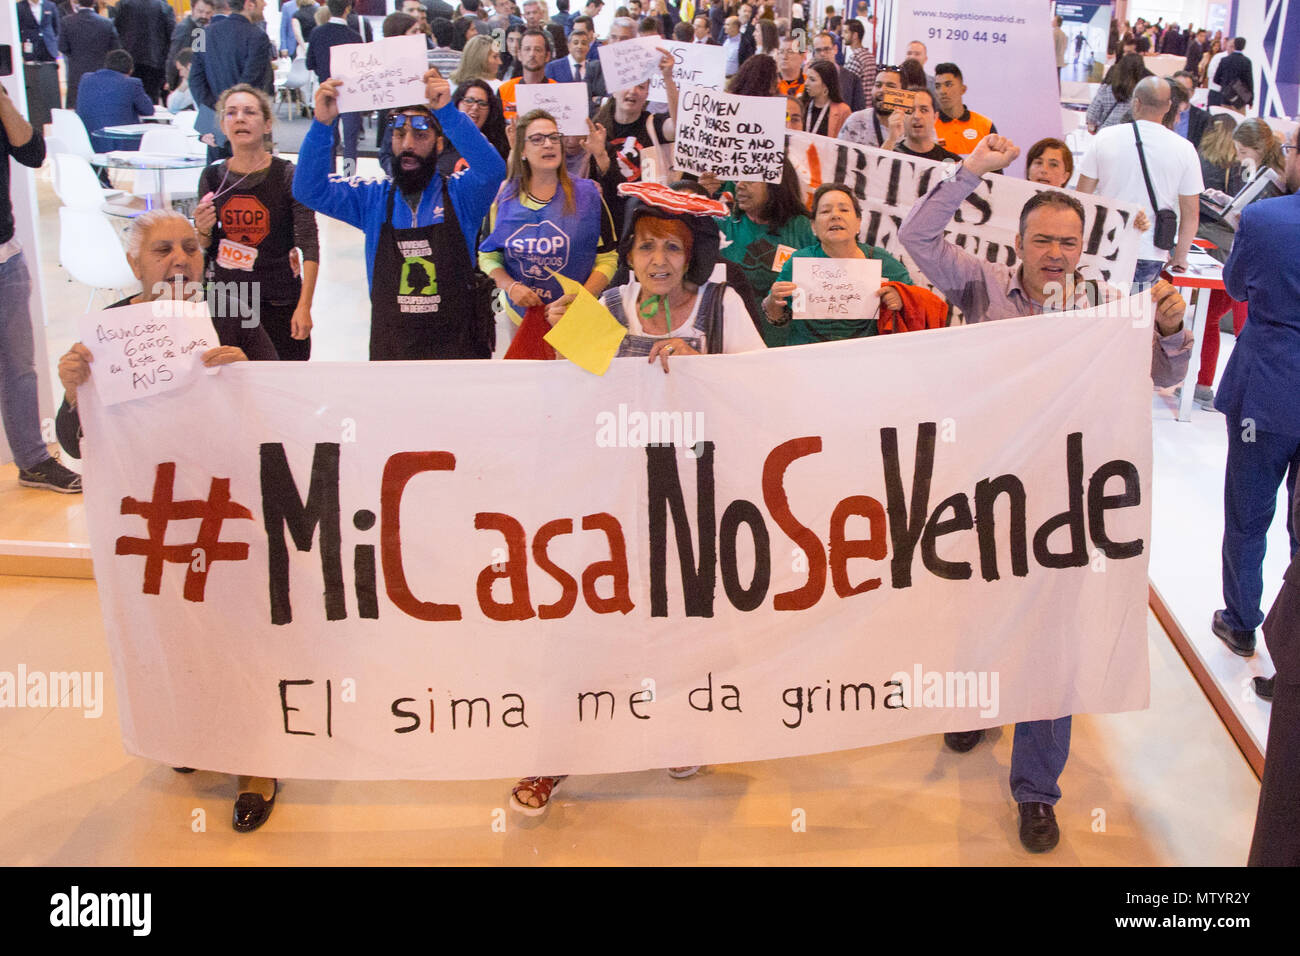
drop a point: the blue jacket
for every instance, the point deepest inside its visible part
(110, 98)
(44, 36)
(362, 203)
(1262, 380)
(234, 51)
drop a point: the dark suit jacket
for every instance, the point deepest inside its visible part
(1198, 121)
(1194, 53)
(110, 98)
(561, 71)
(85, 40)
(851, 89)
(235, 51)
(717, 20)
(1235, 66)
(182, 37)
(1282, 626)
(145, 27)
(748, 43)
(323, 39)
(1262, 378)
(44, 36)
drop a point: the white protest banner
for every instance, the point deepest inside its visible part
(305, 573)
(629, 63)
(694, 64)
(835, 288)
(738, 138)
(379, 75)
(567, 102)
(888, 183)
(1006, 56)
(146, 349)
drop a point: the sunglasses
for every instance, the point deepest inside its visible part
(416, 122)
(541, 139)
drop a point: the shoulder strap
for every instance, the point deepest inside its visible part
(612, 299)
(1151, 193)
(709, 319)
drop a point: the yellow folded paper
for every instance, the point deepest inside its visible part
(587, 334)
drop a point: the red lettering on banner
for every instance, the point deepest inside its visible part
(398, 470)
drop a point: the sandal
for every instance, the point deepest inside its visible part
(681, 773)
(537, 788)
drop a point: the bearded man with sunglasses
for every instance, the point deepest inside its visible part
(420, 227)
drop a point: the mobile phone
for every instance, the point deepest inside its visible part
(6, 60)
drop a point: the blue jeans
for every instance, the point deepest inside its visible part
(1038, 755)
(351, 136)
(1254, 471)
(19, 408)
(1146, 273)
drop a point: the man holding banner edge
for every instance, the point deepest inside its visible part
(1049, 244)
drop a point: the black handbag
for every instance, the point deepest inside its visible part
(1165, 232)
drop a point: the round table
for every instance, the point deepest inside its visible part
(157, 164)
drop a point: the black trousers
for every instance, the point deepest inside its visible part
(277, 319)
(152, 77)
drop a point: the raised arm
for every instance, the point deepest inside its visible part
(956, 273)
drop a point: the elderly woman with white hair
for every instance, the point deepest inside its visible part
(165, 255)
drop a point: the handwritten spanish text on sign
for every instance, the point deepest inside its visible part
(630, 62)
(383, 74)
(567, 102)
(694, 64)
(740, 138)
(146, 349)
(835, 288)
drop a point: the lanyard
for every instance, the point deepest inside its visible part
(221, 189)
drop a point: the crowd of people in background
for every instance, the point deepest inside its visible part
(689, 265)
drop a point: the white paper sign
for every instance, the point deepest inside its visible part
(146, 349)
(740, 138)
(629, 63)
(835, 288)
(695, 64)
(567, 102)
(379, 75)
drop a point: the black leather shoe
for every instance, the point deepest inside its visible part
(251, 811)
(1038, 830)
(1241, 643)
(963, 740)
(1264, 687)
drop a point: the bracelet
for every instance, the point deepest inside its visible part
(511, 286)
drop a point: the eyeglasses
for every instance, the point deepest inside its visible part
(417, 122)
(1288, 147)
(541, 139)
(473, 102)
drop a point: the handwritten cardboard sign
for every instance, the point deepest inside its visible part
(741, 138)
(694, 64)
(567, 102)
(903, 100)
(629, 63)
(835, 288)
(383, 74)
(146, 349)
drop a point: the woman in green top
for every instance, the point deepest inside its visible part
(767, 224)
(837, 220)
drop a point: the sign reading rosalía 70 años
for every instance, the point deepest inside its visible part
(409, 571)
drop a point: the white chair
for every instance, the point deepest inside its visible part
(76, 184)
(185, 119)
(92, 253)
(166, 140)
(299, 81)
(71, 131)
